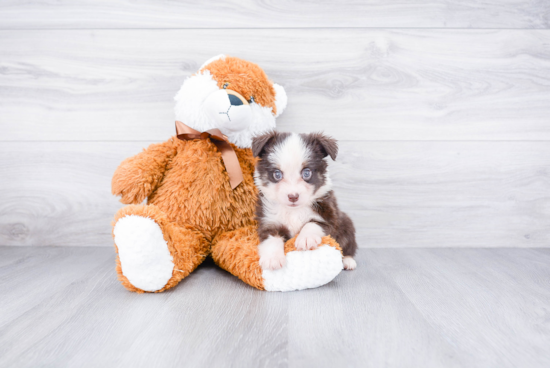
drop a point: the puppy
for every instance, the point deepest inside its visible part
(296, 197)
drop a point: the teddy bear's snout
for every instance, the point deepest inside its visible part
(228, 110)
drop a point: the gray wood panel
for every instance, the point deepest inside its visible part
(259, 14)
(446, 194)
(59, 192)
(400, 194)
(357, 84)
(400, 308)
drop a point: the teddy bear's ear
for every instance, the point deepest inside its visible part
(280, 99)
(260, 142)
(217, 57)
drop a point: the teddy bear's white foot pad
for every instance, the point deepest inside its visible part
(144, 256)
(305, 270)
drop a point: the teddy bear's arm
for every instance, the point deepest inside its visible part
(138, 176)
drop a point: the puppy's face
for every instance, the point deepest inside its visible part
(292, 169)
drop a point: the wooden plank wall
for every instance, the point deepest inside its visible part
(442, 110)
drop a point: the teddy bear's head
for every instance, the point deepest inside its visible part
(232, 95)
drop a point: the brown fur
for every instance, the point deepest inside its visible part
(189, 197)
(189, 245)
(267, 230)
(326, 145)
(336, 223)
(328, 240)
(252, 83)
(236, 252)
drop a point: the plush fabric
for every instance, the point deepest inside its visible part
(190, 202)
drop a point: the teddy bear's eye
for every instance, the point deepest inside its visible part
(251, 99)
(225, 85)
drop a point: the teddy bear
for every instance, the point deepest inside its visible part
(200, 192)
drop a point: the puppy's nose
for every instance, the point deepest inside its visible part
(293, 197)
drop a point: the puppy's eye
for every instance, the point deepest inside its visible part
(277, 175)
(306, 173)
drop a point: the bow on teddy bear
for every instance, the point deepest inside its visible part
(192, 210)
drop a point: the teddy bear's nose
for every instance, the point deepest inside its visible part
(235, 101)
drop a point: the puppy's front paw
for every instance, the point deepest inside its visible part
(307, 241)
(273, 261)
(349, 263)
(272, 253)
(309, 237)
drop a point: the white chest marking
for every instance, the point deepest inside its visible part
(293, 218)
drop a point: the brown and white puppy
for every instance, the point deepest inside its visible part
(296, 197)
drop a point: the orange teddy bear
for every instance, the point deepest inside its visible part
(200, 190)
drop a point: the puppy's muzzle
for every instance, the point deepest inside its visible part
(293, 197)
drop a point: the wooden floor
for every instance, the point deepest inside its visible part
(63, 307)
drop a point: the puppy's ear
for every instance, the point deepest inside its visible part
(259, 142)
(328, 145)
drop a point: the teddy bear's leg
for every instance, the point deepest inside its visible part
(153, 253)
(237, 252)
